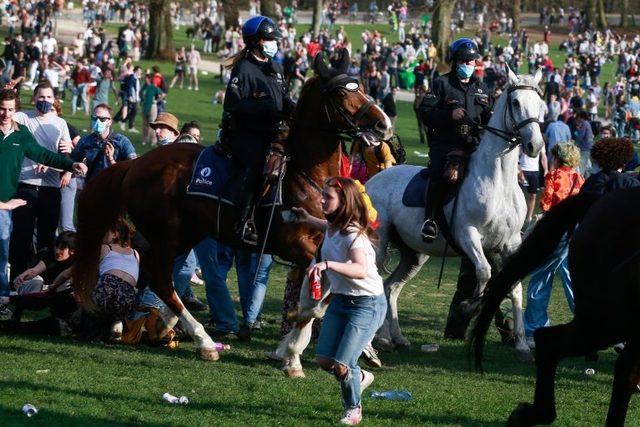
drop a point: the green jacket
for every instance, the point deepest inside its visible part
(13, 149)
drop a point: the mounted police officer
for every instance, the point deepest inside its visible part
(457, 104)
(255, 105)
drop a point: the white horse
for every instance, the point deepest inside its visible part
(489, 216)
(490, 210)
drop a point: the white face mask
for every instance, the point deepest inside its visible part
(270, 48)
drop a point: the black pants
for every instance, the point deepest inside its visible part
(131, 114)
(457, 323)
(41, 213)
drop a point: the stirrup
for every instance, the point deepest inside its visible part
(248, 233)
(429, 231)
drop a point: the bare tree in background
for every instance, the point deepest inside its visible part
(231, 13)
(515, 14)
(441, 26)
(317, 16)
(624, 13)
(268, 8)
(591, 7)
(160, 30)
(601, 18)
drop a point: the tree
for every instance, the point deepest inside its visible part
(602, 19)
(268, 8)
(441, 26)
(317, 16)
(624, 15)
(160, 30)
(231, 13)
(591, 7)
(515, 14)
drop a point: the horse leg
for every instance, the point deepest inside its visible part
(390, 335)
(472, 246)
(625, 383)
(552, 345)
(522, 348)
(162, 285)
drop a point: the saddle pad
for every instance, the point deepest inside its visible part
(214, 177)
(413, 196)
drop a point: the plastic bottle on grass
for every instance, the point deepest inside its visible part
(29, 410)
(401, 395)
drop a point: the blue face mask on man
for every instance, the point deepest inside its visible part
(465, 71)
(98, 126)
(44, 106)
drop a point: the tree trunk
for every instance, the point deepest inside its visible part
(316, 19)
(591, 6)
(515, 14)
(624, 13)
(602, 18)
(160, 30)
(441, 26)
(231, 13)
(268, 8)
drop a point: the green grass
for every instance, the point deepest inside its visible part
(92, 384)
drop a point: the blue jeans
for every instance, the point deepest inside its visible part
(251, 294)
(67, 205)
(540, 285)
(349, 324)
(5, 238)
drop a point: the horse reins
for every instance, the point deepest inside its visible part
(513, 136)
(341, 81)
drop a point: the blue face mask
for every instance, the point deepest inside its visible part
(270, 48)
(98, 127)
(465, 71)
(44, 106)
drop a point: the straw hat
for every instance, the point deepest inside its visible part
(168, 120)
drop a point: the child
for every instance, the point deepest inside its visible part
(562, 182)
(358, 305)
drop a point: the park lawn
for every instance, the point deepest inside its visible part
(95, 384)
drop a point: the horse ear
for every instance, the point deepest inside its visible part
(345, 60)
(320, 66)
(537, 76)
(513, 79)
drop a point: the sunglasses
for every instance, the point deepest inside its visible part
(102, 119)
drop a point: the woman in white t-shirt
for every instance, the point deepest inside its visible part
(358, 305)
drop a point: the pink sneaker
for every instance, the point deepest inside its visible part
(352, 416)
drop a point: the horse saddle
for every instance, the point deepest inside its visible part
(215, 177)
(414, 193)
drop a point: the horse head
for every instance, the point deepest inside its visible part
(336, 102)
(522, 110)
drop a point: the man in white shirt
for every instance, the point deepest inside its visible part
(49, 45)
(38, 184)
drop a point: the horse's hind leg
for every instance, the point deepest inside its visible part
(625, 383)
(390, 335)
(552, 345)
(522, 348)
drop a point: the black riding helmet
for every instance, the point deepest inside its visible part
(260, 28)
(463, 49)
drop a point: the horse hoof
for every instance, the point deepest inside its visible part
(525, 415)
(208, 354)
(524, 356)
(294, 372)
(403, 345)
(385, 345)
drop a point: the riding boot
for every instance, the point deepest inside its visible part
(433, 197)
(246, 228)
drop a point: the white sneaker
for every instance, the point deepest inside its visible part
(367, 380)
(531, 343)
(134, 130)
(352, 416)
(189, 88)
(370, 356)
(121, 125)
(195, 280)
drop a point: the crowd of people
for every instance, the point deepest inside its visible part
(585, 121)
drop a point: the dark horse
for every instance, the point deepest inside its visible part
(151, 191)
(604, 261)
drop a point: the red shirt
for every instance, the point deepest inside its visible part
(313, 49)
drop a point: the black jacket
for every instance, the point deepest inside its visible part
(605, 182)
(446, 95)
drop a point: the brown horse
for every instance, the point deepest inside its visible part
(151, 190)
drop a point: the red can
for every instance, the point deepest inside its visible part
(316, 288)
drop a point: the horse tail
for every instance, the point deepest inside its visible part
(99, 206)
(537, 247)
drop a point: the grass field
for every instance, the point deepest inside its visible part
(94, 384)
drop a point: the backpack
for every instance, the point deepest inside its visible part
(397, 149)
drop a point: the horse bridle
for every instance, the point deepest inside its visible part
(513, 136)
(342, 82)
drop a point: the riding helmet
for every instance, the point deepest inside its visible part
(463, 49)
(260, 28)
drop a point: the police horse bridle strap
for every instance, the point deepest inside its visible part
(343, 81)
(513, 136)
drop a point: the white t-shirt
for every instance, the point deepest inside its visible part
(336, 247)
(48, 132)
(529, 164)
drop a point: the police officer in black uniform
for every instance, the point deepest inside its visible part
(452, 110)
(255, 105)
